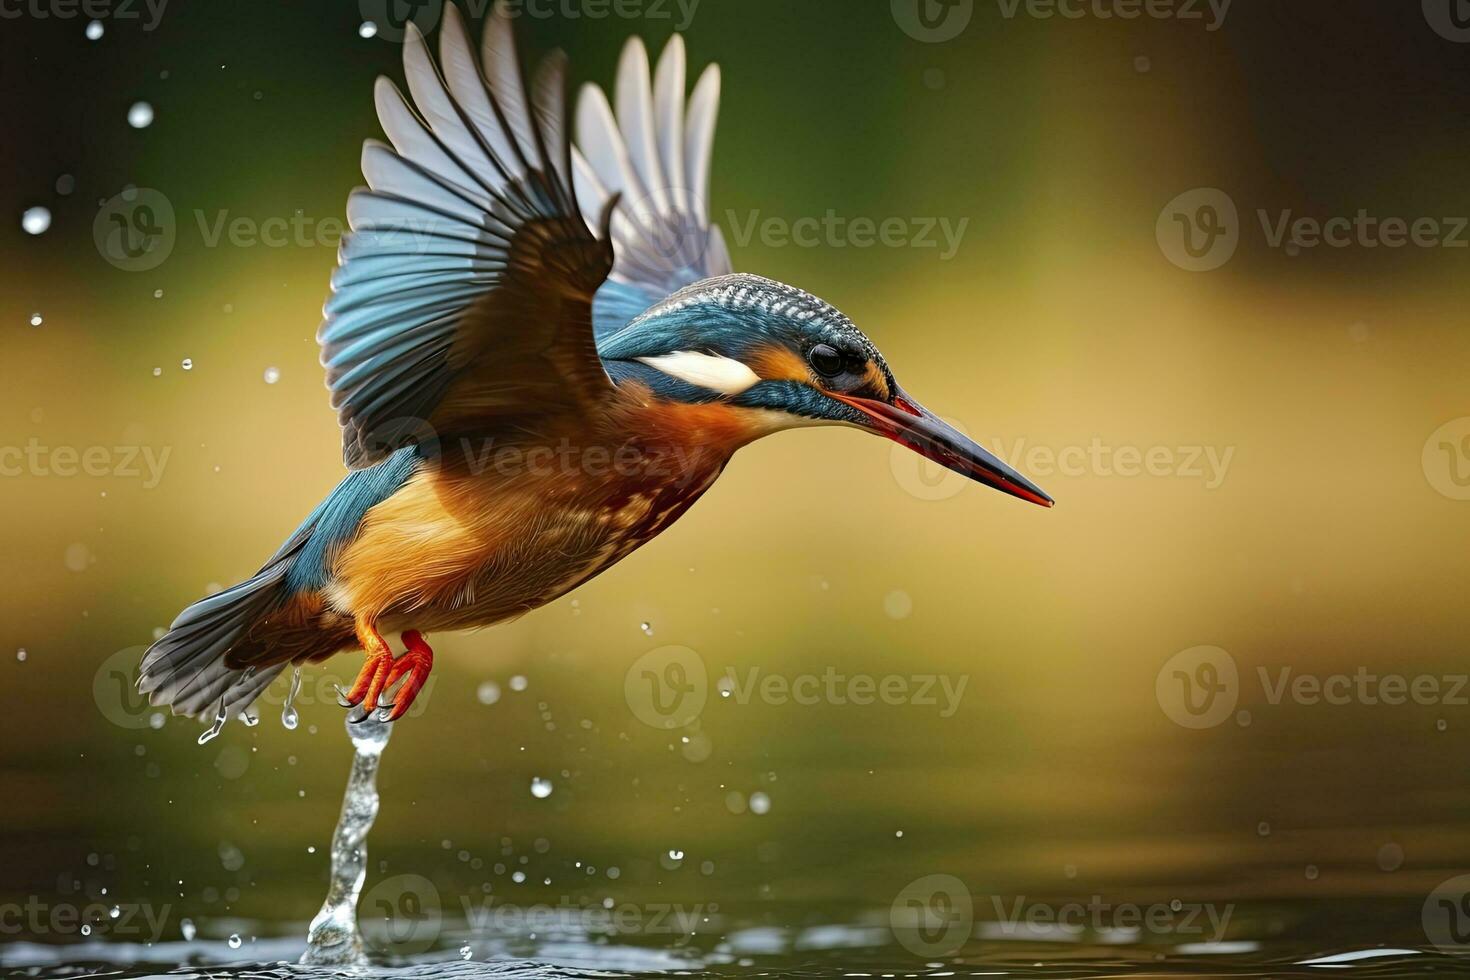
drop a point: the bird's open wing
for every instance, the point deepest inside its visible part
(463, 296)
(655, 153)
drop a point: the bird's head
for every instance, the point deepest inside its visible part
(780, 358)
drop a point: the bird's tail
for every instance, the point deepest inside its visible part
(186, 668)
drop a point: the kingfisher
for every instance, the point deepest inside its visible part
(540, 356)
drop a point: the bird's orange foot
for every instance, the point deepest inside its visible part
(382, 670)
(415, 663)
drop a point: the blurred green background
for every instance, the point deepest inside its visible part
(1333, 540)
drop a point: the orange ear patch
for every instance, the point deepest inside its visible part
(780, 364)
(873, 380)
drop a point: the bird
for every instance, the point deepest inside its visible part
(540, 356)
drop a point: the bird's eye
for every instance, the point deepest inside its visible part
(826, 359)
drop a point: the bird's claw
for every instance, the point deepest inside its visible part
(381, 672)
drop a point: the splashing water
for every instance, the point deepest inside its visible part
(333, 938)
(289, 718)
(220, 717)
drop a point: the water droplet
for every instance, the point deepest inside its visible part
(1143, 64)
(94, 30)
(37, 319)
(21, 655)
(250, 719)
(140, 115)
(289, 718)
(465, 952)
(219, 723)
(1311, 872)
(186, 926)
(488, 692)
(518, 683)
(65, 184)
(158, 294)
(114, 912)
(897, 604)
(272, 375)
(1263, 829)
(518, 877)
(1441, 725)
(157, 371)
(676, 855)
(647, 628)
(187, 364)
(234, 940)
(760, 804)
(367, 29)
(1390, 857)
(36, 220)
(86, 929)
(540, 788)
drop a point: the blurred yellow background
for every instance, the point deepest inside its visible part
(1324, 544)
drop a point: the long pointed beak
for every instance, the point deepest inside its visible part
(907, 422)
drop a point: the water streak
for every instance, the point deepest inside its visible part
(333, 938)
(289, 718)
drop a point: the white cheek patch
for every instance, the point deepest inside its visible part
(710, 371)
